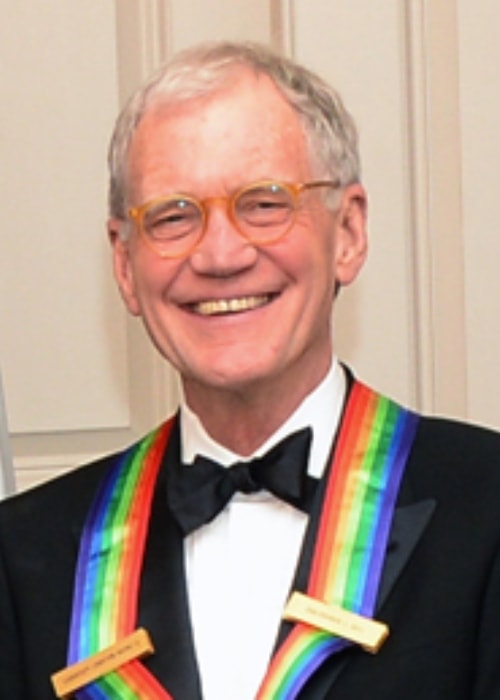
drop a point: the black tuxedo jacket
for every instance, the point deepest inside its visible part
(440, 591)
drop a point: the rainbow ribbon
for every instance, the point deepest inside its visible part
(373, 445)
(357, 510)
(108, 571)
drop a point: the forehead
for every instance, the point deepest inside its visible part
(242, 132)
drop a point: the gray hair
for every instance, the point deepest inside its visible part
(203, 70)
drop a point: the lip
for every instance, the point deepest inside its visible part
(230, 306)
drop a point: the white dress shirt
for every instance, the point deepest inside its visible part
(239, 567)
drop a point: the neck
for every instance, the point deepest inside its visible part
(243, 419)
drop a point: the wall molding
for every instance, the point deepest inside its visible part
(143, 40)
(435, 205)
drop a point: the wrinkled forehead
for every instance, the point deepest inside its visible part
(244, 123)
(191, 92)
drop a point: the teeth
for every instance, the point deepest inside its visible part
(229, 306)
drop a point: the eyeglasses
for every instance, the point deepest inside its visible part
(262, 213)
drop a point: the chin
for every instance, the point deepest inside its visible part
(230, 378)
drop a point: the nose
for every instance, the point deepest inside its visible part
(222, 251)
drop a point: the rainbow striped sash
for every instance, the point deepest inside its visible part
(357, 510)
(108, 570)
(373, 445)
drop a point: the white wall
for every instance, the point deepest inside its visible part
(422, 324)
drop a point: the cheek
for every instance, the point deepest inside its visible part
(145, 288)
(317, 261)
(132, 274)
(152, 284)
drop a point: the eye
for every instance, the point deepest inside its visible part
(265, 205)
(171, 218)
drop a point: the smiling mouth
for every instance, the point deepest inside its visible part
(221, 307)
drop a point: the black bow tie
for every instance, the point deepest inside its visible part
(197, 493)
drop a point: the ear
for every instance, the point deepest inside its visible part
(122, 266)
(351, 240)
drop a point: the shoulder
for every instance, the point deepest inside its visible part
(63, 503)
(457, 458)
(53, 506)
(458, 442)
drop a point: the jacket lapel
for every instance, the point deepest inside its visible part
(408, 526)
(410, 520)
(163, 606)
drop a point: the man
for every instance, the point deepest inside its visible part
(236, 215)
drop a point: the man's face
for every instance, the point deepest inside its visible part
(233, 316)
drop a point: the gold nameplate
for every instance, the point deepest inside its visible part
(134, 646)
(364, 631)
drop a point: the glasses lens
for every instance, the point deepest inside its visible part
(173, 222)
(265, 210)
